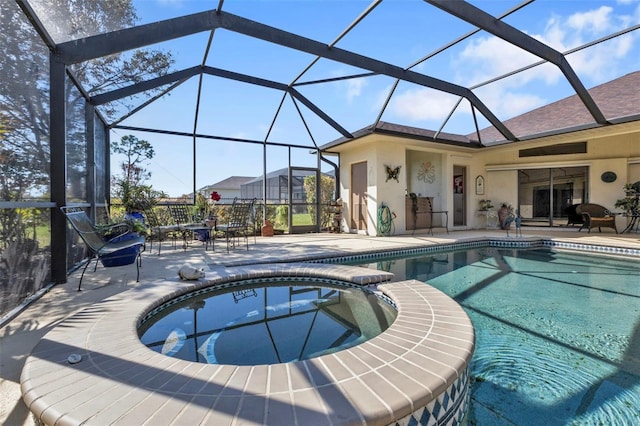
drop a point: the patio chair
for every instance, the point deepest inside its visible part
(181, 216)
(573, 217)
(596, 216)
(239, 223)
(158, 231)
(115, 249)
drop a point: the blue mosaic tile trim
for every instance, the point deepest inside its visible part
(449, 408)
(618, 251)
(495, 243)
(257, 281)
(441, 248)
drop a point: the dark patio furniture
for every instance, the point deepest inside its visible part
(158, 231)
(113, 249)
(239, 223)
(596, 216)
(182, 217)
(573, 217)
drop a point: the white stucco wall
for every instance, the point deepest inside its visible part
(615, 149)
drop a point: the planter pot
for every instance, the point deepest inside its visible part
(123, 257)
(134, 216)
(267, 229)
(202, 234)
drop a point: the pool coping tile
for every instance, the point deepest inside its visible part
(165, 388)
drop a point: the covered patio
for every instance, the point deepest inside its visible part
(63, 157)
(64, 102)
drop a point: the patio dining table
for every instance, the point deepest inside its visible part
(203, 230)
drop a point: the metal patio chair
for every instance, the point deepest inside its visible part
(239, 223)
(158, 231)
(181, 216)
(115, 249)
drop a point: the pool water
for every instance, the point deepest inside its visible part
(255, 324)
(557, 333)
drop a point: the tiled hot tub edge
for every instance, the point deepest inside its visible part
(122, 382)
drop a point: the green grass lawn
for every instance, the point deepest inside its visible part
(302, 219)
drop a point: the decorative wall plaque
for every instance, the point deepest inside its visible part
(427, 172)
(479, 185)
(609, 177)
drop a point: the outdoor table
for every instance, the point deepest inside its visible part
(202, 229)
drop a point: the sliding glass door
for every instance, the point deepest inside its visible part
(545, 194)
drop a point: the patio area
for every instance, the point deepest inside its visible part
(21, 333)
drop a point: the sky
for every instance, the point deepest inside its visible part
(399, 32)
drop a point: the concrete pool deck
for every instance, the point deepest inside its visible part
(21, 334)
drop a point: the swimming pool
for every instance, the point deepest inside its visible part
(558, 334)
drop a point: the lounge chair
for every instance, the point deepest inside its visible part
(112, 249)
(239, 223)
(596, 216)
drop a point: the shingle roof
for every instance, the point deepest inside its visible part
(399, 130)
(616, 99)
(233, 182)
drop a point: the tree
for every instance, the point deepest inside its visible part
(327, 186)
(130, 185)
(137, 152)
(24, 81)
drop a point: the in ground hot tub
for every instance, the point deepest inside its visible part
(414, 372)
(253, 323)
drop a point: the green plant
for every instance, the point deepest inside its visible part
(129, 186)
(327, 187)
(203, 207)
(485, 205)
(135, 197)
(138, 226)
(282, 216)
(629, 203)
(631, 188)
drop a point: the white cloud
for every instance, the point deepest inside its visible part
(507, 103)
(171, 3)
(422, 104)
(595, 21)
(489, 57)
(354, 88)
(600, 62)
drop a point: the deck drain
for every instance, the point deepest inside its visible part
(74, 358)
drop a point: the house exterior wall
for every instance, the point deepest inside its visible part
(380, 151)
(618, 153)
(615, 149)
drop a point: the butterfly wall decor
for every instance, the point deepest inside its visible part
(392, 173)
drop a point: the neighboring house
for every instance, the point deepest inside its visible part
(228, 188)
(562, 157)
(278, 186)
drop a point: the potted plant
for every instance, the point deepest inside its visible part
(630, 189)
(485, 205)
(630, 202)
